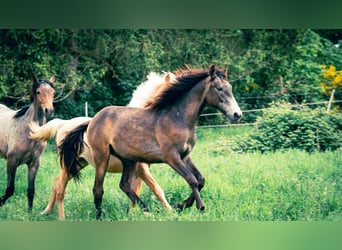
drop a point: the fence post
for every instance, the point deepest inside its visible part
(330, 100)
(86, 109)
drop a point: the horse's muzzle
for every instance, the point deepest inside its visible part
(237, 116)
(49, 112)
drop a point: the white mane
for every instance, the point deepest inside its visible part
(147, 89)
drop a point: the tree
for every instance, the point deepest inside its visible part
(103, 66)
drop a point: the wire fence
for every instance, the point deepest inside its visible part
(256, 110)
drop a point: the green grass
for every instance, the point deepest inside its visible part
(285, 186)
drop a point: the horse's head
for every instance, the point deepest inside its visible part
(220, 94)
(42, 93)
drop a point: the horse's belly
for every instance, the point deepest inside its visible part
(147, 152)
(114, 165)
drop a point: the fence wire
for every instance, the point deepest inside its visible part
(255, 110)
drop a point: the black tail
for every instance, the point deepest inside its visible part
(70, 149)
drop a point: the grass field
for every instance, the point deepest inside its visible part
(282, 186)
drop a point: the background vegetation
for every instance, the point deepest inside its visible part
(103, 67)
(283, 127)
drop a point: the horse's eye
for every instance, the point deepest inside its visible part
(219, 88)
(38, 92)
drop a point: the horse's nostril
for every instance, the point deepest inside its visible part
(237, 115)
(49, 112)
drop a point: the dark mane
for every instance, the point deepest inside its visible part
(172, 91)
(185, 80)
(21, 111)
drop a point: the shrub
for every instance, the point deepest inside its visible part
(284, 127)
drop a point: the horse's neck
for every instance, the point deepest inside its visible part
(34, 115)
(192, 104)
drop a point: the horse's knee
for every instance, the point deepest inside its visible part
(201, 182)
(192, 181)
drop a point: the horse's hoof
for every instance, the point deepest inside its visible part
(2, 201)
(146, 210)
(45, 212)
(179, 206)
(99, 214)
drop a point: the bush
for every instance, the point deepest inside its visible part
(282, 127)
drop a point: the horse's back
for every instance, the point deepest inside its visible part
(6, 125)
(4, 108)
(6, 113)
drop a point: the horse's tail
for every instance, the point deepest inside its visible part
(46, 131)
(70, 148)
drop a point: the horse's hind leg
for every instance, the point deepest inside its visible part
(144, 173)
(48, 209)
(128, 172)
(11, 172)
(57, 194)
(101, 163)
(60, 193)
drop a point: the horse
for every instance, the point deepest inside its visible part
(59, 128)
(15, 146)
(163, 132)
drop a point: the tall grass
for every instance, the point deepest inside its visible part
(286, 186)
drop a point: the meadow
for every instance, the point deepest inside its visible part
(290, 185)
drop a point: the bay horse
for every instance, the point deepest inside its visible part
(60, 128)
(15, 146)
(164, 131)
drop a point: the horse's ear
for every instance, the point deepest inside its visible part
(212, 73)
(52, 79)
(35, 79)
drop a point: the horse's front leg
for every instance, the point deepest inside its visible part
(11, 172)
(190, 200)
(31, 177)
(194, 179)
(126, 183)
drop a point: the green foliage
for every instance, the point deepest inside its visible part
(282, 127)
(103, 66)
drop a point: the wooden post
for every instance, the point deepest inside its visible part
(330, 100)
(86, 109)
